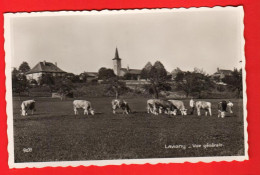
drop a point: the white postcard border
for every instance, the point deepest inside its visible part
(9, 103)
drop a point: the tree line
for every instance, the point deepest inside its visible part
(190, 82)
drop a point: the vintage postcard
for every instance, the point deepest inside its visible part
(125, 87)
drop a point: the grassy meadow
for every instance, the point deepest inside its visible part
(54, 133)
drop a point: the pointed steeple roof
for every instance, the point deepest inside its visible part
(116, 55)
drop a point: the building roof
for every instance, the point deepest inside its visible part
(116, 56)
(90, 74)
(223, 71)
(47, 67)
(131, 71)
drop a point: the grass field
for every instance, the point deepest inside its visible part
(54, 133)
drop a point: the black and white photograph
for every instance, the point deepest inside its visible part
(119, 87)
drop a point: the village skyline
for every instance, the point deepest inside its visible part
(128, 67)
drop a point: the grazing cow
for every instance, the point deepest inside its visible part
(203, 105)
(151, 107)
(154, 107)
(179, 105)
(163, 106)
(166, 107)
(83, 104)
(27, 105)
(120, 104)
(222, 109)
(230, 106)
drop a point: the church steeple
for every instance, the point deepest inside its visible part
(116, 55)
(117, 64)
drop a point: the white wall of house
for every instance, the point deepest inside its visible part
(35, 76)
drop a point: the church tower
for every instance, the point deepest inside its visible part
(117, 63)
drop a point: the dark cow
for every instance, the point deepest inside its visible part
(120, 104)
(222, 109)
(192, 106)
(164, 106)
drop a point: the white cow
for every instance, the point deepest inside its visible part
(83, 104)
(120, 104)
(151, 107)
(27, 105)
(203, 105)
(180, 106)
(230, 106)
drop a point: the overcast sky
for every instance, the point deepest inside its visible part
(186, 39)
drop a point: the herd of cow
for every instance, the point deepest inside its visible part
(154, 106)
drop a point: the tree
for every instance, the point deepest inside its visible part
(128, 76)
(74, 78)
(175, 72)
(234, 81)
(116, 86)
(217, 78)
(19, 82)
(198, 70)
(185, 82)
(104, 73)
(191, 82)
(46, 79)
(158, 78)
(15, 72)
(203, 83)
(145, 71)
(24, 67)
(64, 87)
(83, 77)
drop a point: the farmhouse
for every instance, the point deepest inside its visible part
(43, 68)
(119, 71)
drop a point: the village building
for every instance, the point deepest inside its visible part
(88, 76)
(222, 73)
(43, 68)
(121, 72)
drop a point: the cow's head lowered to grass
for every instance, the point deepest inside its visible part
(23, 112)
(27, 105)
(92, 111)
(221, 114)
(174, 112)
(184, 112)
